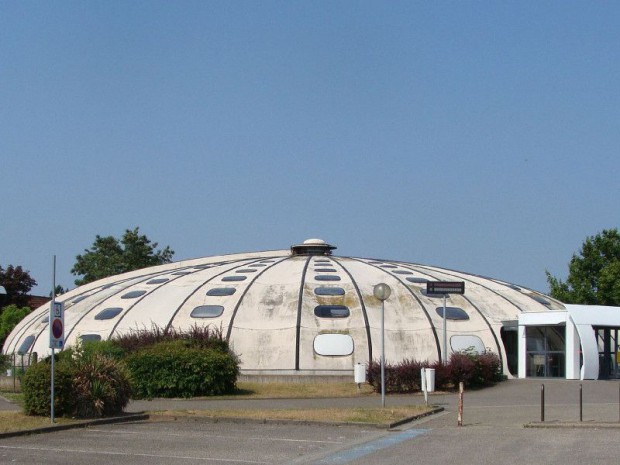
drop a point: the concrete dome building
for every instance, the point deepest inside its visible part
(305, 311)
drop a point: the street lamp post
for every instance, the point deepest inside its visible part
(382, 292)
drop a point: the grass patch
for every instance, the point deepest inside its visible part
(15, 397)
(377, 416)
(300, 390)
(17, 421)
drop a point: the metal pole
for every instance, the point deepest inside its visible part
(445, 334)
(49, 324)
(542, 402)
(459, 420)
(382, 354)
(581, 402)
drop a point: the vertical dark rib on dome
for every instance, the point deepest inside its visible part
(245, 291)
(169, 325)
(499, 350)
(142, 278)
(299, 307)
(364, 313)
(428, 317)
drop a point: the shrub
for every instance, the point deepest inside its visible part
(178, 368)
(206, 337)
(85, 386)
(36, 388)
(475, 370)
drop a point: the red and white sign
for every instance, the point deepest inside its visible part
(57, 325)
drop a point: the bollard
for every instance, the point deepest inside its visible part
(542, 402)
(581, 402)
(459, 421)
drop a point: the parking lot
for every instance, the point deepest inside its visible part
(493, 431)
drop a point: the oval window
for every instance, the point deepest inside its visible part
(333, 345)
(108, 313)
(329, 291)
(157, 281)
(221, 291)
(133, 294)
(467, 343)
(90, 337)
(327, 277)
(26, 345)
(207, 311)
(234, 278)
(453, 313)
(331, 311)
(413, 279)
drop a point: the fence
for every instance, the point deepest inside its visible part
(14, 365)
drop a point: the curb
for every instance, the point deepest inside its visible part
(415, 417)
(573, 425)
(242, 420)
(85, 424)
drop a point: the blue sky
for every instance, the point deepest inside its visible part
(478, 136)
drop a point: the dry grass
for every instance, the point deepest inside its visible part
(17, 421)
(376, 416)
(300, 390)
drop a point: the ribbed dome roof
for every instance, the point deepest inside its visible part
(302, 310)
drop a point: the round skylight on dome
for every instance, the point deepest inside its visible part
(314, 242)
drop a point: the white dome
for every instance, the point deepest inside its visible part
(284, 312)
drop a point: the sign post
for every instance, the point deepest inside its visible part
(57, 332)
(445, 288)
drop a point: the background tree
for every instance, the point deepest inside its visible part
(17, 282)
(109, 256)
(593, 274)
(10, 316)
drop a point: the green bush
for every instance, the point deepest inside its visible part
(85, 386)
(179, 369)
(36, 388)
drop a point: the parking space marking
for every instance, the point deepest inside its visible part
(127, 454)
(370, 447)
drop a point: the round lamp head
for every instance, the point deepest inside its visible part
(382, 291)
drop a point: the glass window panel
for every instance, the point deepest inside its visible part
(133, 294)
(234, 278)
(453, 313)
(157, 281)
(207, 311)
(331, 311)
(327, 277)
(402, 272)
(221, 291)
(90, 337)
(26, 345)
(108, 313)
(412, 279)
(329, 291)
(324, 270)
(245, 270)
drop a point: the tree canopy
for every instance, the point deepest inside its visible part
(10, 316)
(109, 256)
(593, 274)
(17, 282)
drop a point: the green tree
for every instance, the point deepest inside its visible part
(109, 256)
(10, 316)
(593, 274)
(17, 282)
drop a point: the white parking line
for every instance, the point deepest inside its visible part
(111, 453)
